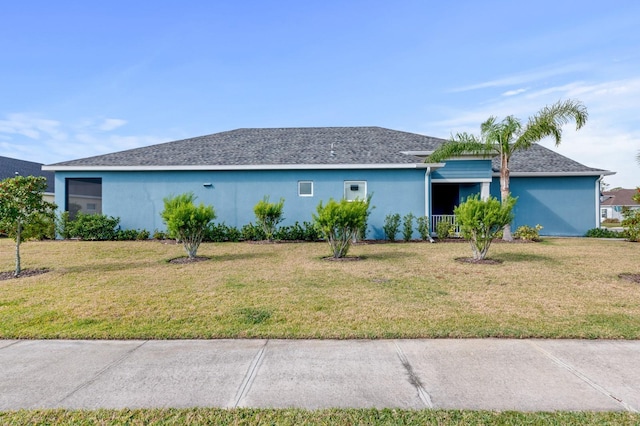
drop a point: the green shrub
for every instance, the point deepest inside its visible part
(126, 234)
(339, 223)
(63, 225)
(186, 221)
(93, 227)
(603, 233)
(132, 234)
(297, 232)
(631, 223)
(220, 232)
(423, 227)
(250, 232)
(481, 220)
(41, 227)
(159, 235)
(444, 230)
(268, 216)
(527, 233)
(407, 226)
(391, 226)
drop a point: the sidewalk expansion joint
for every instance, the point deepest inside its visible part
(584, 378)
(11, 344)
(413, 377)
(104, 370)
(250, 376)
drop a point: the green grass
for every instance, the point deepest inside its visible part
(319, 417)
(560, 288)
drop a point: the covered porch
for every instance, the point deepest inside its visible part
(446, 196)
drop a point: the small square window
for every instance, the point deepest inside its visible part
(355, 190)
(305, 188)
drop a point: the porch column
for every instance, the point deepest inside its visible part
(484, 190)
(427, 192)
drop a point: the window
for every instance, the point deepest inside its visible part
(305, 188)
(603, 213)
(83, 195)
(355, 190)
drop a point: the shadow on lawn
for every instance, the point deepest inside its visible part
(387, 255)
(524, 257)
(231, 257)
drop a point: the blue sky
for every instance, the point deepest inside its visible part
(82, 78)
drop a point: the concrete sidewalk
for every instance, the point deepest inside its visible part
(492, 374)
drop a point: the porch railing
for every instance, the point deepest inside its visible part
(450, 218)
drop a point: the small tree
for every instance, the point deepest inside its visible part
(339, 223)
(21, 204)
(269, 215)
(482, 220)
(186, 221)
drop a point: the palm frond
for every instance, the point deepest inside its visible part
(549, 121)
(460, 144)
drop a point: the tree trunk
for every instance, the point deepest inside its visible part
(18, 236)
(504, 192)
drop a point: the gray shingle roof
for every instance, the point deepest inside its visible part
(538, 159)
(9, 167)
(277, 146)
(306, 146)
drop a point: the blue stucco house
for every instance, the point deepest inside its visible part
(233, 170)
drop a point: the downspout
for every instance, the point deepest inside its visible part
(427, 199)
(598, 200)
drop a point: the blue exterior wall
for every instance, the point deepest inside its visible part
(564, 206)
(137, 197)
(464, 169)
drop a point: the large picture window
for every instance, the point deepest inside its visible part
(83, 195)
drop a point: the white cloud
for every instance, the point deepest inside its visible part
(30, 137)
(522, 78)
(109, 124)
(32, 127)
(514, 92)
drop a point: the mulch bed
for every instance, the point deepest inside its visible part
(634, 278)
(183, 260)
(23, 274)
(342, 259)
(478, 261)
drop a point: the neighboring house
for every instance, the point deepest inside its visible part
(233, 170)
(615, 201)
(10, 167)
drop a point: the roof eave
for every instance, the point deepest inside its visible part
(558, 174)
(62, 168)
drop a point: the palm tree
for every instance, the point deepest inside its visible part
(505, 137)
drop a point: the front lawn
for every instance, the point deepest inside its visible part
(560, 288)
